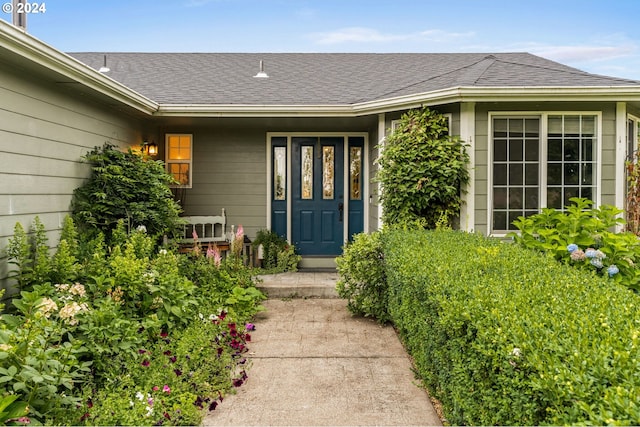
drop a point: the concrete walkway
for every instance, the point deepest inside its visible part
(313, 364)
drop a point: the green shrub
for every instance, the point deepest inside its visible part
(422, 170)
(503, 335)
(583, 236)
(129, 187)
(362, 278)
(278, 254)
(100, 323)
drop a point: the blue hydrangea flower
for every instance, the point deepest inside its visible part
(600, 254)
(572, 247)
(590, 253)
(596, 262)
(613, 270)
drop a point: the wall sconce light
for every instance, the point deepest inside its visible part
(150, 148)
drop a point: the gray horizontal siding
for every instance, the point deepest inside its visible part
(45, 129)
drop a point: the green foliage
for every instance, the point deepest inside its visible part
(362, 277)
(41, 360)
(503, 335)
(19, 251)
(582, 236)
(278, 255)
(12, 409)
(129, 187)
(422, 170)
(73, 348)
(632, 210)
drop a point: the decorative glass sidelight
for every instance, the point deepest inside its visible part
(328, 172)
(279, 173)
(307, 172)
(355, 173)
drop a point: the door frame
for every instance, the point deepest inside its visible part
(289, 191)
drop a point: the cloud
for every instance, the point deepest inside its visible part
(370, 35)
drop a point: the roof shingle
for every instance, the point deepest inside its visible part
(328, 78)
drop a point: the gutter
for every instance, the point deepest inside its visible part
(20, 43)
(439, 97)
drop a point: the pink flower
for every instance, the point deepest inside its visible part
(214, 252)
(195, 235)
(166, 389)
(156, 388)
(240, 232)
(250, 327)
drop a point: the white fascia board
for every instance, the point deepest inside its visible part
(40, 53)
(252, 110)
(451, 95)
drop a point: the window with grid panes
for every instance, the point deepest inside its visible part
(179, 158)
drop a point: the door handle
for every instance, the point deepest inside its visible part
(341, 210)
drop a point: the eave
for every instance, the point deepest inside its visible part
(43, 58)
(446, 96)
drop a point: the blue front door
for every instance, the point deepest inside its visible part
(318, 195)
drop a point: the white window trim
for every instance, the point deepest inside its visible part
(395, 123)
(542, 170)
(189, 162)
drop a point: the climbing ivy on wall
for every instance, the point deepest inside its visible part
(422, 170)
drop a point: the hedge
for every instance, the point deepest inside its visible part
(503, 335)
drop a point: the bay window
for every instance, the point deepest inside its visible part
(540, 161)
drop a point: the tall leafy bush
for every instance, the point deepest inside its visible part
(362, 277)
(422, 170)
(125, 186)
(504, 335)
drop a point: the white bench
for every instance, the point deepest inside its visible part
(210, 229)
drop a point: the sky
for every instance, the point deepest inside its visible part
(601, 37)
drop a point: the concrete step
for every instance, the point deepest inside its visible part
(300, 284)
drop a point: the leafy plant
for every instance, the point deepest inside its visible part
(422, 170)
(278, 255)
(362, 277)
(13, 411)
(125, 186)
(583, 236)
(632, 210)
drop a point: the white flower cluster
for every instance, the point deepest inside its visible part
(69, 311)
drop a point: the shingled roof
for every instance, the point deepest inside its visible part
(329, 78)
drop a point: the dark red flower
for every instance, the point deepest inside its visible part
(89, 403)
(166, 415)
(167, 353)
(213, 405)
(173, 359)
(247, 337)
(220, 351)
(142, 351)
(237, 382)
(145, 362)
(163, 334)
(232, 326)
(223, 314)
(178, 372)
(85, 416)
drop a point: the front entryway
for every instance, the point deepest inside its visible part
(318, 199)
(317, 190)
